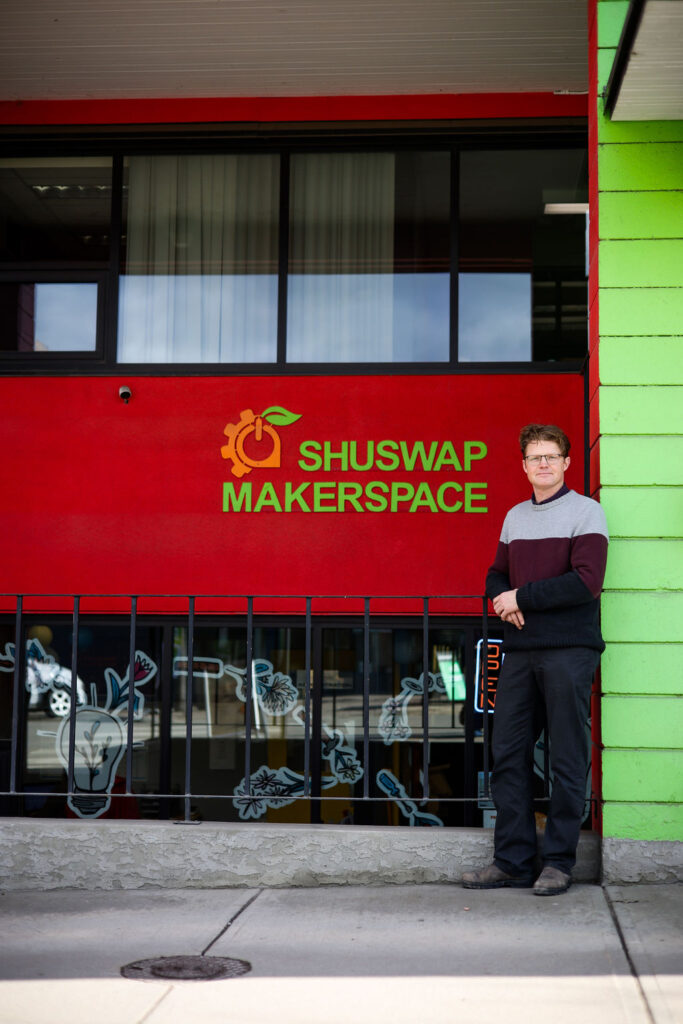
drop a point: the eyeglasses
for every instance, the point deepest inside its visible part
(550, 459)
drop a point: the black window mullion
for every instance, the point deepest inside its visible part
(110, 333)
(283, 261)
(455, 235)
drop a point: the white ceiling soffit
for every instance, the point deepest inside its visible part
(79, 49)
(647, 77)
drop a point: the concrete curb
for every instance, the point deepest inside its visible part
(641, 860)
(48, 854)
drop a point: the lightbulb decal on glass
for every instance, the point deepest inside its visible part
(101, 738)
(100, 745)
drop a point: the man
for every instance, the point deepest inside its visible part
(545, 585)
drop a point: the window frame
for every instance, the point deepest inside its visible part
(568, 133)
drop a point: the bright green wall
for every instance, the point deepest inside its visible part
(640, 396)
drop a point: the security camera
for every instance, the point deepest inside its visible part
(125, 393)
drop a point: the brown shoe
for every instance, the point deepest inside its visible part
(551, 882)
(492, 877)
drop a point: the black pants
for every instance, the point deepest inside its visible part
(555, 684)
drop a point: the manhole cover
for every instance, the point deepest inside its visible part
(186, 968)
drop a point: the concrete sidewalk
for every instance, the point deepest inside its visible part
(424, 954)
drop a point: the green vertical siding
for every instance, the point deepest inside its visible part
(640, 183)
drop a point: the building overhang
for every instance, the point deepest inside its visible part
(92, 50)
(646, 83)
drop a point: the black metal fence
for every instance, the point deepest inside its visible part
(190, 619)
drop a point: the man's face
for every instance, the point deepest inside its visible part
(545, 476)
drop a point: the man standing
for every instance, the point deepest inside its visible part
(545, 585)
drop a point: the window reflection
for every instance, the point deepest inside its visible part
(396, 722)
(200, 246)
(55, 209)
(368, 257)
(276, 690)
(494, 316)
(221, 689)
(522, 280)
(48, 317)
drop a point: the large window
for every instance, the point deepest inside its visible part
(444, 255)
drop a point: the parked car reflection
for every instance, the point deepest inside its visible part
(49, 687)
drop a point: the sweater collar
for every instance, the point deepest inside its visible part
(546, 501)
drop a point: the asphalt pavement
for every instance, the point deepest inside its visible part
(423, 954)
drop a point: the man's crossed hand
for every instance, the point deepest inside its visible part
(506, 606)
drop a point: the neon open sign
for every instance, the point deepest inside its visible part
(494, 661)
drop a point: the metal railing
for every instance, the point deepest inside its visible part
(357, 602)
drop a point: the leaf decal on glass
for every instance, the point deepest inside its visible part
(279, 416)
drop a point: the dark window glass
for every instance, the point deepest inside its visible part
(55, 210)
(369, 258)
(396, 724)
(522, 255)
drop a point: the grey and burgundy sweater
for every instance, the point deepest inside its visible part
(554, 554)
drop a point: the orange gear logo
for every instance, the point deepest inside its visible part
(264, 434)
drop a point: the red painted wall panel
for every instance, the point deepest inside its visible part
(104, 497)
(269, 109)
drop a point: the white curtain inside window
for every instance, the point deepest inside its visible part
(200, 274)
(340, 305)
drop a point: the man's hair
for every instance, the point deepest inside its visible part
(544, 432)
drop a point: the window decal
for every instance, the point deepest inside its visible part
(101, 735)
(393, 724)
(390, 785)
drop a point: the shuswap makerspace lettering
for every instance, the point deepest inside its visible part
(376, 495)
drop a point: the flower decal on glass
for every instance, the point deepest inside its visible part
(271, 787)
(275, 692)
(393, 724)
(144, 669)
(342, 759)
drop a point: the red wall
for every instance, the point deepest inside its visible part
(105, 497)
(274, 109)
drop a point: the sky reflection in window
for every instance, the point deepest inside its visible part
(494, 317)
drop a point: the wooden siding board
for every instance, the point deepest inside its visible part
(645, 564)
(642, 668)
(641, 263)
(647, 775)
(638, 311)
(652, 167)
(641, 618)
(642, 461)
(641, 360)
(643, 512)
(631, 820)
(611, 19)
(641, 215)
(641, 410)
(653, 722)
